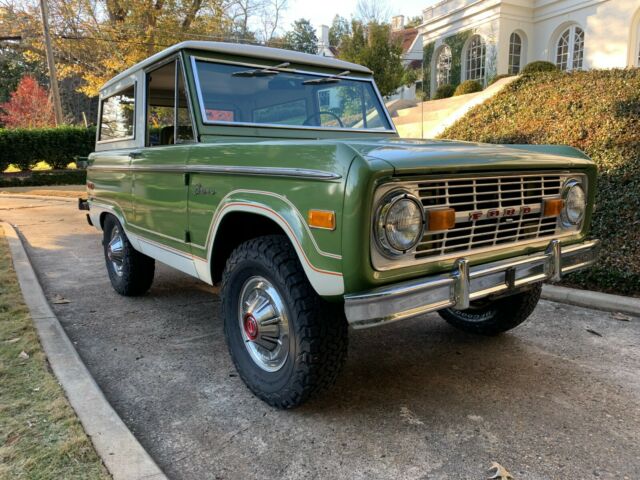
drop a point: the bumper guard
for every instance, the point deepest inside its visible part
(465, 284)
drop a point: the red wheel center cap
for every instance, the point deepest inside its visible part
(250, 327)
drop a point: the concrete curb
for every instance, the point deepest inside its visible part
(590, 299)
(121, 453)
(38, 197)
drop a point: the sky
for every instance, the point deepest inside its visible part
(322, 11)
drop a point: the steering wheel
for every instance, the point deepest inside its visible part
(306, 120)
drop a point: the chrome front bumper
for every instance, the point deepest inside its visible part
(465, 284)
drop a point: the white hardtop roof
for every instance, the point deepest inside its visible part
(249, 51)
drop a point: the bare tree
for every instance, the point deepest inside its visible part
(376, 11)
(271, 18)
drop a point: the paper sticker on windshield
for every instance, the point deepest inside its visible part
(214, 115)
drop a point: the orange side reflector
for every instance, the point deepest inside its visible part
(441, 219)
(552, 207)
(322, 219)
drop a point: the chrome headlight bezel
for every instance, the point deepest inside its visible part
(566, 220)
(385, 205)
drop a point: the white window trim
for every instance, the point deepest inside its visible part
(571, 46)
(511, 55)
(465, 58)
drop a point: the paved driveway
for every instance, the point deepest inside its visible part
(418, 399)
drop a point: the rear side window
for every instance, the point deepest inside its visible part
(117, 117)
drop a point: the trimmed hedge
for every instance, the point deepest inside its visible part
(47, 177)
(444, 91)
(468, 86)
(539, 66)
(57, 146)
(599, 113)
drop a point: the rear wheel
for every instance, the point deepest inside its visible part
(285, 341)
(131, 272)
(491, 317)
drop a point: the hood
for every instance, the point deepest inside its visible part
(414, 156)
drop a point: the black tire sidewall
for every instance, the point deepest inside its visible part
(255, 377)
(109, 224)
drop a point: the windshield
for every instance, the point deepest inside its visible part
(233, 94)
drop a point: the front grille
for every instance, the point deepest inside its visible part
(515, 200)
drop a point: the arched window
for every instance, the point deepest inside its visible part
(515, 53)
(443, 67)
(570, 49)
(475, 59)
(638, 45)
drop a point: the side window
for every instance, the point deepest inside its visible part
(117, 117)
(168, 118)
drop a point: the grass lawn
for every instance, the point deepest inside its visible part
(40, 436)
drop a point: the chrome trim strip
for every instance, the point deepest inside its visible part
(457, 287)
(203, 116)
(303, 173)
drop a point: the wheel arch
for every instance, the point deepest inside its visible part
(239, 221)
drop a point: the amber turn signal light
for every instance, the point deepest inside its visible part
(322, 219)
(552, 207)
(441, 219)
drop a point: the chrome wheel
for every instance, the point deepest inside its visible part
(115, 250)
(264, 324)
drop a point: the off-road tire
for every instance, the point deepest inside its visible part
(318, 332)
(137, 269)
(497, 316)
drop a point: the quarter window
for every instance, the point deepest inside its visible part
(515, 53)
(443, 67)
(475, 59)
(117, 116)
(570, 49)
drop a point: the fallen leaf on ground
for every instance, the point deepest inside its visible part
(12, 340)
(500, 473)
(24, 355)
(621, 316)
(594, 332)
(59, 299)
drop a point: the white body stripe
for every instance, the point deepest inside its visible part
(324, 282)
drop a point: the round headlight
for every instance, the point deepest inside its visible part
(399, 223)
(575, 203)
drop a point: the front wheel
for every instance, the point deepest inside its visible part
(491, 317)
(285, 341)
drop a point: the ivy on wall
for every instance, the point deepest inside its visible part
(456, 44)
(427, 56)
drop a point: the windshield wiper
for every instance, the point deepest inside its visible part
(261, 72)
(332, 79)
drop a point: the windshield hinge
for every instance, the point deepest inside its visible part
(187, 178)
(187, 236)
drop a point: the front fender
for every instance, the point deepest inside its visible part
(323, 269)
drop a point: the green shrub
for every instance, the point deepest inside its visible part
(57, 146)
(444, 91)
(599, 113)
(499, 77)
(539, 66)
(468, 86)
(50, 177)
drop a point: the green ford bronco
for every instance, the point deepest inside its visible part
(281, 176)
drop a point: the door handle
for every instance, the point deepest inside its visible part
(135, 154)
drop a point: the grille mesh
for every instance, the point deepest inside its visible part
(481, 194)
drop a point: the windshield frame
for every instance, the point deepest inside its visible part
(205, 121)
